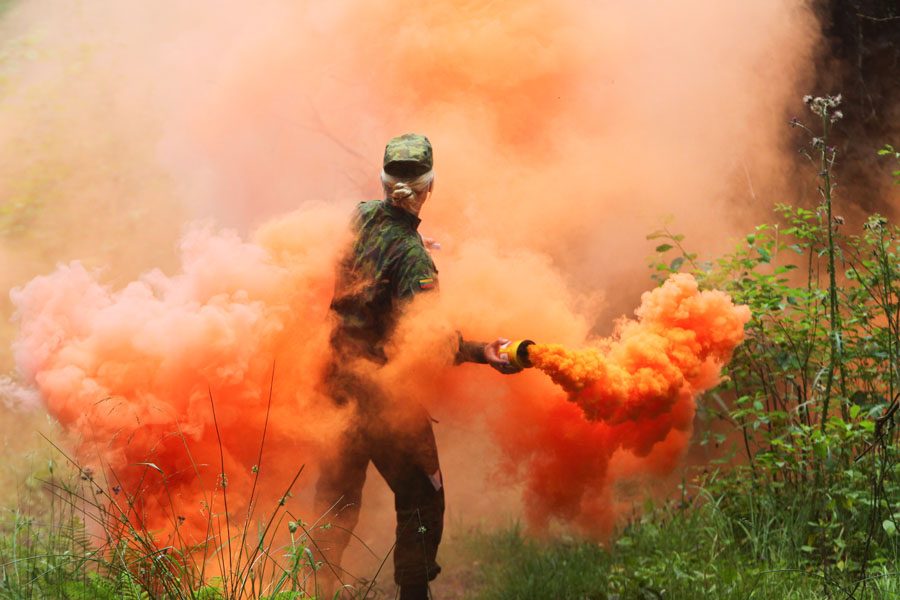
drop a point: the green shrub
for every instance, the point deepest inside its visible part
(813, 392)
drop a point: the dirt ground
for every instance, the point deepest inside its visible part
(455, 585)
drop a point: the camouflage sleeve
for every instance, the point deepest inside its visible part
(358, 215)
(469, 351)
(415, 273)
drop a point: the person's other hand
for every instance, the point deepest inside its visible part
(492, 355)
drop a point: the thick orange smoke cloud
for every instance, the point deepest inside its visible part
(564, 131)
(132, 374)
(673, 351)
(633, 395)
(641, 387)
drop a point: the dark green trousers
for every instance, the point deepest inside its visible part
(401, 446)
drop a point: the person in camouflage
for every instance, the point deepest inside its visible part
(387, 265)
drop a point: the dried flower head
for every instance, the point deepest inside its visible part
(824, 105)
(875, 223)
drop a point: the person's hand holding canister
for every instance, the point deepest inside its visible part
(492, 355)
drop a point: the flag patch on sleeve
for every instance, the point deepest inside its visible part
(427, 283)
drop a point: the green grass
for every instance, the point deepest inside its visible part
(668, 553)
(703, 551)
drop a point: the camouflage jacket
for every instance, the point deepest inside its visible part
(386, 267)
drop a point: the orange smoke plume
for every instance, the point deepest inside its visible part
(637, 388)
(638, 391)
(165, 383)
(678, 345)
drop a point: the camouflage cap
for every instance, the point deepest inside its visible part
(408, 155)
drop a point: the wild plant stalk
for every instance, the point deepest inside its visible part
(224, 483)
(256, 469)
(260, 547)
(879, 280)
(159, 569)
(826, 108)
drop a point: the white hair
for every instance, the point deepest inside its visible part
(400, 191)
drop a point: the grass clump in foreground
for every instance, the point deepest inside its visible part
(77, 535)
(669, 553)
(68, 539)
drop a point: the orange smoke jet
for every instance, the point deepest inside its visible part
(633, 395)
(679, 344)
(638, 390)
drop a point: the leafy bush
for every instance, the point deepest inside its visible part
(673, 551)
(813, 392)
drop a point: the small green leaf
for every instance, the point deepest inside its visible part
(664, 247)
(676, 264)
(889, 527)
(854, 411)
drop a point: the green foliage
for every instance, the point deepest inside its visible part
(46, 552)
(812, 394)
(516, 566)
(889, 151)
(673, 551)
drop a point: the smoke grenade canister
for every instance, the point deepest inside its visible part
(517, 353)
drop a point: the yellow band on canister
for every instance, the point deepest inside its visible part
(517, 353)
